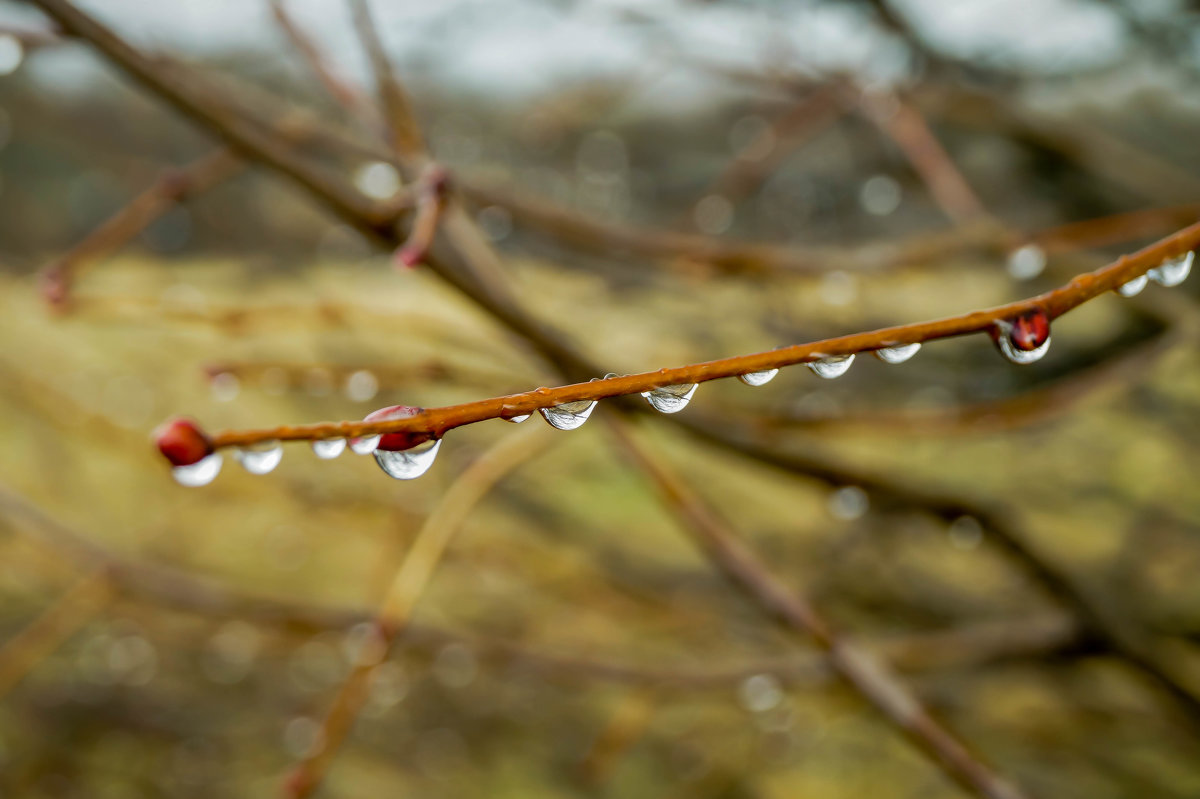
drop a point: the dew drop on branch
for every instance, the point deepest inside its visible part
(670, 399)
(364, 445)
(12, 52)
(1026, 262)
(224, 386)
(328, 448)
(758, 378)
(407, 464)
(831, 367)
(200, 473)
(569, 415)
(402, 455)
(361, 386)
(965, 533)
(1133, 287)
(848, 503)
(760, 692)
(1172, 271)
(1026, 338)
(516, 419)
(260, 458)
(898, 354)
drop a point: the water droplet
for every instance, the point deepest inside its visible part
(407, 464)
(496, 222)
(1027, 262)
(225, 386)
(261, 458)
(200, 473)
(1172, 271)
(758, 378)
(361, 386)
(365, 445)
(965, 533)
(831, 367)
(1133, 287)
(838, 288)
(569, 415)
(378, 180)
(303, 737)
(848, 503)
(670, 399)
(517, 419)
(880, 195)
(328, 448)
(365, 644)
(1026, 338)
(11, 53)
(897, 354)
(760, 692)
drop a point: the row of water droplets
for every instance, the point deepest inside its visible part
(1022, 340)
(1169, 273)
(1026, 338)
(674, 398)
(410, 463)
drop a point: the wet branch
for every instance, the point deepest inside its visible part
(556, 349)
(436, 421)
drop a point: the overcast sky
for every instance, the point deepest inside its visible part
(532, 45)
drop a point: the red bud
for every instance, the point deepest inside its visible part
(182, 442)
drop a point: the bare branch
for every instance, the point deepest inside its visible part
(867, 674)
(436, 421)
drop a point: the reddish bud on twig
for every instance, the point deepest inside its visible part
(430, 200)
(55, 284)
(396, 442)
(1030, 330)
(182, 442)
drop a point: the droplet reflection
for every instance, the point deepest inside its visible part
(670, 399)
(200, 473)
(1172, 271)
(1026, 338)
(328, 448)
(831, 367)
(364, 445)
(897, 354)
(1133, 287)
(758, 378)
(260, 459)
(569, 415)
(408, 464)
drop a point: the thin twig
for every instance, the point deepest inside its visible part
(406, 589)
(909, 130)
(166, 587)
(174, 187)
(1034, 406)
(436, 421)
(867, 674)
(404, 135)
(558, 351)
(58, 622)
(758, 158)
(344, 92)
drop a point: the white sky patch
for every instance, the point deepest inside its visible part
(524, 47)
